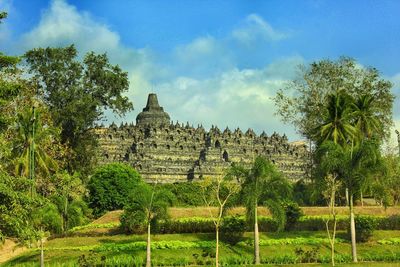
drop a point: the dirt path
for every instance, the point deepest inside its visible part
(9, 250)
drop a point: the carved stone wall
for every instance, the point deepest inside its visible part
(165, 152)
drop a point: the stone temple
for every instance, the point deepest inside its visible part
(165, 152)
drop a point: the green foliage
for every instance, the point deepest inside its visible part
(110, 186)
(263, 184)
(292, 213)
(77, 93)
(17, 208)
(186, 194)
(232, 229)
(146, 204)
(303, 100)
(365, 226)
(307, 256)
(49, 218)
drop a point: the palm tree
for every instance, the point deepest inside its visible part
(351, 165)
(30, 143)
(365, 116)
(336, 120)
(262, 184)
(147, 205)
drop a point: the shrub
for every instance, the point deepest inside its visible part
(186, 194)
(110, 186)
(293, 214)
(307, 256)
(365, 226)
(232, 229)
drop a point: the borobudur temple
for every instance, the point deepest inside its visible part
(165, 152)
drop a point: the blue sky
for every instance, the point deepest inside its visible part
(213, 62)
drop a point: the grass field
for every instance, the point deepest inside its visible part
(197, 249)
(109, 248)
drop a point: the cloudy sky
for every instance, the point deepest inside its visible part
(212, 61)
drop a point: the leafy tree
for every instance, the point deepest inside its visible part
(262, 184)
(17, 208)
(68, 197)
(145, 206)
(217, 191)
(386, 186)
(77, 93)
(303, 100)
(110, 186)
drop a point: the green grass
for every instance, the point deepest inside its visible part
(191, 249)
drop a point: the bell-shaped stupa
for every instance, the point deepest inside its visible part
(152, 114)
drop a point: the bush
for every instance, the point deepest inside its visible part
(365, 226)
(110, 186)
(232, 229)
(186, 194)
(293, 214)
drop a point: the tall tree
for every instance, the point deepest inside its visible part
(146, 205)
(262, 184)
(304, 99)
(77, 93)
(217, 191)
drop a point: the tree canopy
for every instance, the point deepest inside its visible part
(304, 99)
(77, 93)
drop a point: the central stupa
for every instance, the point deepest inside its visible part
(153, 114)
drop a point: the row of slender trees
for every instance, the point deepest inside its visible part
(261, 185)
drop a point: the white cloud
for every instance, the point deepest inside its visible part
(255, 28)
(62, 24)
(199, 82)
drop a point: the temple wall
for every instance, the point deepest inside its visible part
(177, 153)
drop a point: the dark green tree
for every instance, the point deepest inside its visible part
(110, 186)
(77, 93)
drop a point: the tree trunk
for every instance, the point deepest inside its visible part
(256, 239)
(353, 230)
(148, 252)
(41, 253)
(65, 215)
(362, 198)
(217, 246)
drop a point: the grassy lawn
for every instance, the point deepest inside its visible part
(115, 249)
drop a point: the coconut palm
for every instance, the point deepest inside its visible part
(336, 120)
(365, 116)
(262, 184)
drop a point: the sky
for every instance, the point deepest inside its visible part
(213, 62)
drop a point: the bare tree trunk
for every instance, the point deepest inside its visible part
(217, 246)
(148, 251)
(256, 238)
(353, 230)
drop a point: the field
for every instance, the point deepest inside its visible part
(100, 243)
